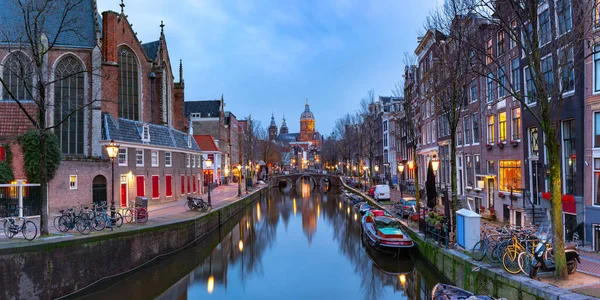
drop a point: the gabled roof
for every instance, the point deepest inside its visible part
(206, 143)
(78, 29)
(206, 108)
(13, 121)
(151, 49)
(129, 131)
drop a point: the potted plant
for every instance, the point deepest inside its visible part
(501, 194)
(515, 143)
(492, 211)
(489, 145)
(501, 144)
(482, 209)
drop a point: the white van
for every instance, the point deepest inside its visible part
(382, 192)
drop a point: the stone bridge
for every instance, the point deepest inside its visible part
(293, 180)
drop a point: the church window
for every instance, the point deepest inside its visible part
(17, 76)
(129, 102)
(68, 104)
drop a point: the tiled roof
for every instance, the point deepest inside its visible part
(288, 137)
(206, 142)
(206, 108)
(78, 29)
(131, 132)
(151, 49)
(13, 121)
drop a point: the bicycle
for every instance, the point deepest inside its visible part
(193, 203)
(413, 218)
(510, 258)
(140, 214)
(70, 221)
(487, 244)
(27, 228)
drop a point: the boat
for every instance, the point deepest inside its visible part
(390, 266)
(384, 232)
(364, 208)
(443, 291)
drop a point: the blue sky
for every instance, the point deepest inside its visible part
(269, 56)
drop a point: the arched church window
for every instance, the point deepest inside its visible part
(17, 76)
(129, 100)
(68, 105)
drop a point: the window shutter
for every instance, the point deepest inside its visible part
(140, 186)
(182, 184)
(169, 185)
(189, 184)
(155, 190)
(2, 153)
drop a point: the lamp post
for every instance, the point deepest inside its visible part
(401, 173)
(208, 165)
(387, 171)
(112, 149)
(239, 167)
(377, 172)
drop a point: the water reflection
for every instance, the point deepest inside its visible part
(265, 253)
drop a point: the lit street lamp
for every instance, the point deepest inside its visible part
(239, 167)
(112, 149)
(401, 173)
(208, 165)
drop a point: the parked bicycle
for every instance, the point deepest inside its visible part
(194, 203)
(27, 228)
(70, 220)
(139, 213)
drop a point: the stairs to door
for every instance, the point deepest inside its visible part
(535, 217)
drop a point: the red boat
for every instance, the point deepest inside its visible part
(384, 232)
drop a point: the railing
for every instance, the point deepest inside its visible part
(20, 199)
(439, 233)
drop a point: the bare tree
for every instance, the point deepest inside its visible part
(42, 24)
(369, 120)
(267, 150)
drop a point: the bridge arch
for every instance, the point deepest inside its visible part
(284, 184)
(312, 180)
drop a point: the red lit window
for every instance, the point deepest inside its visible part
(194, 181)
(169, 185)
(2, 153)
(155, 188)
(141, 186)
(182, 184)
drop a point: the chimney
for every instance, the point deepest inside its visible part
(109, 36)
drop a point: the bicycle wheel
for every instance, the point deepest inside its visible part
(500, 249)
(83, 225)
(189, 205)
(65, 223)
(142, 215)
(29, 230)
(524, 259)
(510, 261)
(57, 222)
(489, 252)
(479, 250)
(99, 222)
(9, 233)
(128, 215)
(118, 219)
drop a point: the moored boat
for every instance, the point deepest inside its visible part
(449, 292)
(384, 232)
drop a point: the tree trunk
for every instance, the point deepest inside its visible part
(43, 185)
(416, 174)
(453, 178)
(556, 205)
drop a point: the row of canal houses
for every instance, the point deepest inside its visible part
(501, 160)
(107, 86)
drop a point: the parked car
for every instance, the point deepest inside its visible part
(371, 191)
(406, 205)
(382, 192)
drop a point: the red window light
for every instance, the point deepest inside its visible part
(169, 185)
(155, 188)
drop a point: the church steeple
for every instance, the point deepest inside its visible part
(284, 128)
(272, 128)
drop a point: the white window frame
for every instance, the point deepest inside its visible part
(137, 154)
(193, 158)
(526, 90)
(558, 34)
(146, 133)
(72, 184)
(119, 156)
(542, 9)
(168, 154)
(187, 160)
(153, 155)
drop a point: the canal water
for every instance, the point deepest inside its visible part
(303, 243)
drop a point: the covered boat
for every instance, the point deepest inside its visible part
(449, 292)
(384, 233)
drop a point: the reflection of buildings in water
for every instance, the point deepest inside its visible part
(309, 218)
(305, 188)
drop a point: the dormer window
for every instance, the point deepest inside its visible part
(189, 140)
(146, 133)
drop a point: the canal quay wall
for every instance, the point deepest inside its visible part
(56, 268)
(458, 267)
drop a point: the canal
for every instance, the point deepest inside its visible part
(296, 244)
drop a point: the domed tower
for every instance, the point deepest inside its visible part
(283, 129)
(307, 124)
(272, 128)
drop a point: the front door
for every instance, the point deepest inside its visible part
(490, 194)
(534, 182)
(596, 236)
(123, 194)
(99, 189)
(570, 222)
(506, 212)
(518, 219)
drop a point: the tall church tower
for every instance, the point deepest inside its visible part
(307, 124)
(283, 129)
(272, 128)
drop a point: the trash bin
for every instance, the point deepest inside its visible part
(468, 224)
(225, 180)
(143, 201)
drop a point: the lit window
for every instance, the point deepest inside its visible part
(154, 158)
(490, 130)
(534, 149)
(596, 181)
(139, 157)
(510, 175)
(489, 52)
(73, 182)
(502, 125)
(500, 43)
(168, 161)
(516, 123)
(123, 156)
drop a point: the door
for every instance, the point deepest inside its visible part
(460, 182)
(570, 222)
(99, 189)
(534, 182)
(123, 194)
(518, 219)
(490, 194)
(596, 237)
(506, 212)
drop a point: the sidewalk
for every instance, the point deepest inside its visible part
(157, 215)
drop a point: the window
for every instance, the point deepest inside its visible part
(475, 119)
(513, 31)
(169, 185)
(563, 11)
(385, 125)
(467, 129)
(187, 160)
(544, 27)
(567, 70)
(17, 76)
(473, 90)
(510, 175)
(189, 141)
(516, 123)
(2, 153)
(155, 187)
(459, 137)
(141, 185)
(569, 156)
(469, 167)
(547, 73)
(73, 182)
(489, 52)
(139, 157)
(597, 68)
(527, 37)
(168, 162)
(502, 126)
(597, 13)
(502, 80)
(490, 130)
(490, 87)
(129, 102)
(145, 133)
(500, 43)
(68, 104)
(490, 167)
(530, 87)
(534, 149)
(182, 184)
(596, 181)
(596, 129)
(515, 74)
(193, 158)
(477, 159)
(154, 158)
(122, 157)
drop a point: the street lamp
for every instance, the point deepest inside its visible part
(435, 163)
(401, 172)
(239, 167)
(208, 165)
(112, 149)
